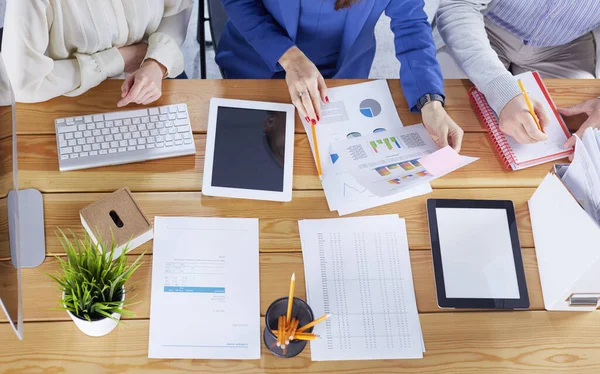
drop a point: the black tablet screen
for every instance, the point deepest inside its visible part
(249, 149)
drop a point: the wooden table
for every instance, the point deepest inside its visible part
(456, 341)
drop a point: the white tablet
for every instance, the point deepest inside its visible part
(249, 150)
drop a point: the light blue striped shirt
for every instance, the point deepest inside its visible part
(546, 23)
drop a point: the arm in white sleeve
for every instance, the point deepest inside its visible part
(461, 25)
(164, 45)
(36, 77)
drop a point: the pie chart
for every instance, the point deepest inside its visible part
(370, 108)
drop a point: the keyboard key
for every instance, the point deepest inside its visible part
(90, 140)
(87, 119)
(168, 138)
(78, 134)
(181, 107)
(118, 123)
(172, 108)
(96, 132)
(80, 127)
(78, 118)
(61, 137)
(160, 139)
(98, 118)
(74, 155)
(118, 136)
(172, 116)
(126, 115)
(136, 134)
(142, 141)
(160, 125)
(181, 122)
(63, 144)
(121, 149)
(181, 115)
(150, 146)
(123, 129)
(87, 133)
(151, 126)
(66, 129)
(112, 150)
(114, 144)
(99, 139)
(168, 144)
(60, 121)
(83, 154)
(160, 145)
(91, 126)
(114, 130)
(123, 143)
(81, 141)
(142, 127)
(109, 123)
(141, 146)
(66, 150)
(132, 128)
(164, 110)
(145, 120)
(188, 141)
(133, 142)
(77, 149)
(109, 138)
(127, 135)
(145, 133)
(69, 135)
(163, 117)
(70, 120)
(169, 124)
(127, 121)
(153, 132)
(105, 131)
(153, 111)
(136, 121)
(183, 129)
(150, 139)
(72, 142)
(94, 153)
(187, 135)
(154, 118)
(105, 145)
(95, 146)
(100, 125)
(163, 131)
(131, 148)
(178, 137)
(87, 147)
(179, 142)
(64, 157)
(103, 152)
(172, 130)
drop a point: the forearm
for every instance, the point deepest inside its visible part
(461, 25)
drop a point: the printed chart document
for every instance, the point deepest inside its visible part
(358, 269)
(396, 161)
(205, 289)
(355, 111)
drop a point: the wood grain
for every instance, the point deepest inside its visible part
(5, 121)
(38, 168)
(39, 118)
(41, 295)
(278, 221)
(465, 343)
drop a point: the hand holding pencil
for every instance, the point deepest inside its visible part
(524, 119)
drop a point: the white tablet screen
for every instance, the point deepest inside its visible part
(249, 149)
(477, 255)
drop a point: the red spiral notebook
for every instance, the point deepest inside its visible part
(517, 156)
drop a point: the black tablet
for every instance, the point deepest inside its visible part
(476, 254)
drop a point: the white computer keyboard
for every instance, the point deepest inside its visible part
(123, 137)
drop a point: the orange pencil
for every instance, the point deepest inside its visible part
(290, 299)
(530, 106)
(316, 146)
(309, 325)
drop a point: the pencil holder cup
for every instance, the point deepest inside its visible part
(301, 311)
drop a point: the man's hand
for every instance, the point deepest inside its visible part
(144, 85)
(440, 126)
(516, 120)
(592, 109)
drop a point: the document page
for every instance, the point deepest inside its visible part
(205, 289)
(358, 270)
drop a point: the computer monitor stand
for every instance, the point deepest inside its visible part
(32, 239)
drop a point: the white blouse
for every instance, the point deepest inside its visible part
(66, 47)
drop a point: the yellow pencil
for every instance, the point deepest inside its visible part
(530, 106)
(316, 145)
(303, 337)
(290, 299)
(276, 333)
(280, 330)
(311, 324)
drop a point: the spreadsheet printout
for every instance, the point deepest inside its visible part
(358, 270)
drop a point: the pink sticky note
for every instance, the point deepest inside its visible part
(442, 161)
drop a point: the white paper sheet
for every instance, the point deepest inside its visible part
(583, 180)
(389, 163)
(354, 111)
(358, 269)
(205, 289)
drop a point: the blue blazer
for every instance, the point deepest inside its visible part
(260, 31)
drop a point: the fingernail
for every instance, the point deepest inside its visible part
(327, 99)
(314, 122)
(307, 119)
(318, 118)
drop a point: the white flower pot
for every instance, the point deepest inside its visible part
(97, 328)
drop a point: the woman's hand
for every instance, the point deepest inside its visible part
(144, 85)
(440, 126)
(591, 108)
(133, 55)
(305, 83)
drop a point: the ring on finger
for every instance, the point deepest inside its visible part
(301, 94)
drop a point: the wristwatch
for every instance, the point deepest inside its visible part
(427, 98)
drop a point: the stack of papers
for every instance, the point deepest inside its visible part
(205, 289)
(359, 132)
(358, 270)
(582, 177)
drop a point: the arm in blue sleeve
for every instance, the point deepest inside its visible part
(420, 72)
(259, 29)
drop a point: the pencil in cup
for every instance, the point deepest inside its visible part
(301, 311)
(530, 105)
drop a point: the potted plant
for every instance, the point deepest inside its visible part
(93, 284)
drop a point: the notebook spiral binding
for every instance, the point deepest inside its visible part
(488, 117)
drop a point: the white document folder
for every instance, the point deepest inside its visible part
(567, 245)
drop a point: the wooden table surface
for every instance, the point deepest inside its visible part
(456, 341)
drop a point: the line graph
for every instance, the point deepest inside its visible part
(348, 190)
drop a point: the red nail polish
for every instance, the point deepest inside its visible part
(314, 122)
(307, 119)
(318, 118)
(327, 99)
